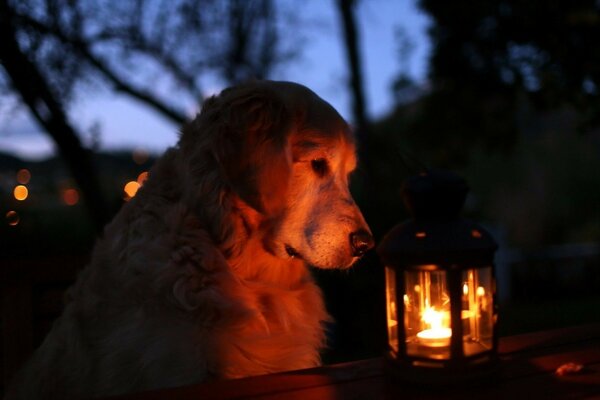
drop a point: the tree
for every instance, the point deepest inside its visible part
(489, 57)
(346, 10)
(546, 49)
(53, 50)
(27, 79)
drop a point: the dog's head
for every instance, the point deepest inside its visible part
(286, 155)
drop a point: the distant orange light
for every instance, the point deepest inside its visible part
(142, 177)
(12, 218)
(476, 234)
(421, 235)
(20, 192)
(140, 156)
(70, 196)
(131, 189)
(23, 176)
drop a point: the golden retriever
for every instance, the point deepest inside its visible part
(204, 274)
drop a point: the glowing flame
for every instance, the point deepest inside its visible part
(20, 192)
(23, 176)
(437, 335)
(433, 318)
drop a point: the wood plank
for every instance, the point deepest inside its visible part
(284, 382)
(536, 340)
(543, 385)
(529, 363)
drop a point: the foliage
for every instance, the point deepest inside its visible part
(547, 49)
(489, 56)
(544, 193)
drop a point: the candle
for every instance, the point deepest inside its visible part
(437, 335)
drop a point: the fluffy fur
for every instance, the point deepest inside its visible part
(203, 275)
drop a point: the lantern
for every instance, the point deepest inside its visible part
(440, 284)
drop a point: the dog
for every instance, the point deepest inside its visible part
(204, 274)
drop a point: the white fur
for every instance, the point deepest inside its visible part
(190, 281)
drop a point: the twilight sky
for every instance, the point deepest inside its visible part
(124, 123)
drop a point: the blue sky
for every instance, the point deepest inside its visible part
(125, 123)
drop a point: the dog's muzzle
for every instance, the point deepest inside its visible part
(361, 242)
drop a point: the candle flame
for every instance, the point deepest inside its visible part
(437, 335)
(433, 318)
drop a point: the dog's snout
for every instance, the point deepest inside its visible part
(361, 241)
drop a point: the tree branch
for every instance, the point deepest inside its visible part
(36, 94)
(103, 68)
(122, 86)
(346, 12)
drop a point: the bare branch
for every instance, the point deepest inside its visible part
(346, 11)
(103, 67)
(34, 90)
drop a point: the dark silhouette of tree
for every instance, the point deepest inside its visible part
(547, 49)
(346, 10)
(491, 57)
(54, 50)
(48, 111)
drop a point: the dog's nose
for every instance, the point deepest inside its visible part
(361, 241)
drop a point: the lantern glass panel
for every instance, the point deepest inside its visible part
(477, 310)
(392, 314)
(427, 313)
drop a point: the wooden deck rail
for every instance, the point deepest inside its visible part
(527, 371)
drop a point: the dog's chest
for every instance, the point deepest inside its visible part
(283, 331)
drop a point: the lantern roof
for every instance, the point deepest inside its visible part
(436, 234)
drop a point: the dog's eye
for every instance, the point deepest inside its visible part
(320, 166)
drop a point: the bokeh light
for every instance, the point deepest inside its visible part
(20, 192)
(131, 189)
(70, 196)
(12, 217)
(23, 176)
(140, 155)
(142, 177)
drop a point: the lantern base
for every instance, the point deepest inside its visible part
(438, 373)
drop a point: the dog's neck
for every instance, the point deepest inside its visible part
(253, 262)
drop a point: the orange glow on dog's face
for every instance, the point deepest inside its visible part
(286, 154)
(320, 213)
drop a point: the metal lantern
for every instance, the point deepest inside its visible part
(440, 285)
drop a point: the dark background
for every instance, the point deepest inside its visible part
(512, 103)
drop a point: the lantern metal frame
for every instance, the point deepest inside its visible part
(437, 239)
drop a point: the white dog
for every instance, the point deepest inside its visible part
(204, 274)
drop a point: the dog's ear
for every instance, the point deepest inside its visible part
(251, 144)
